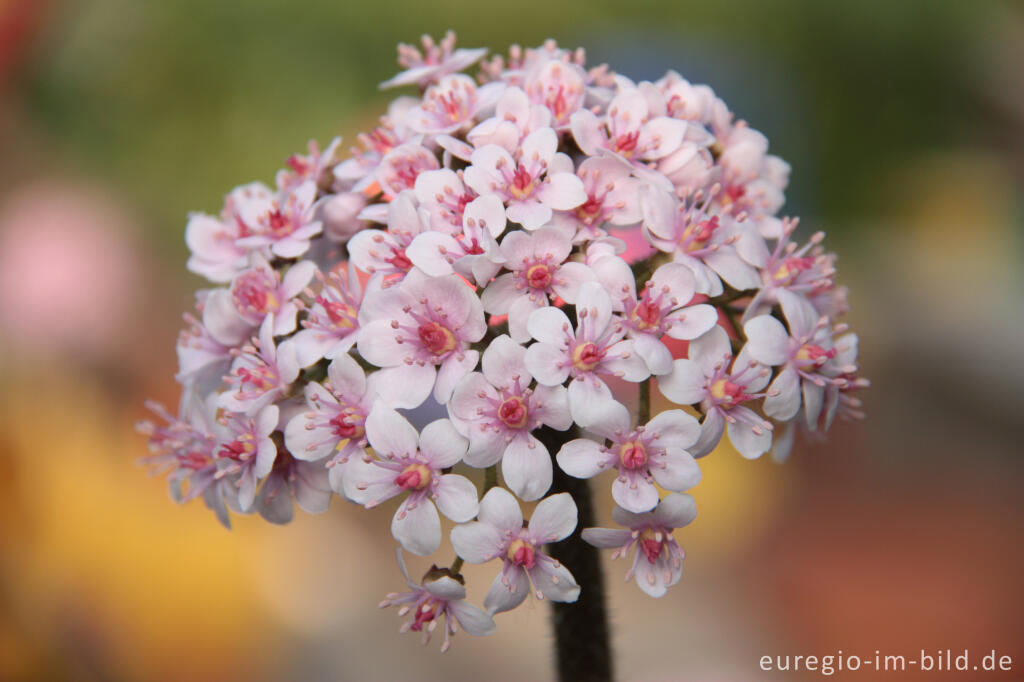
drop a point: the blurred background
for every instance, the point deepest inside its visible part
(904, 124)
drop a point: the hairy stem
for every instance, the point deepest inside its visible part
(582, 646)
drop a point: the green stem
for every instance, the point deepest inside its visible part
(643, 403)
(490, 478)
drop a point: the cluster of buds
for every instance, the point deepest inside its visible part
(528, 251)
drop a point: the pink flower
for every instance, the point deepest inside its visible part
(685, 101)
(202, 359)
(558, 85)
(315, 166)
(706, 379)
(217, 254)
(497, 410)
(708, 244)
(185, 449)
(231, 315)
(500, 532)
(612, 197)
(332, 321)
(515, 117)
(752, 179)
(340, 215)
(649, 454)
(282, 223)
(436, 60)
(659, 311)
(420, 332)
(444, 197)
(595, 348)
(658, 562)
(538, 272)
(806, 270)
(412, 464)
(260, 374)
(441, 596)
(401, 166)
(377, 251)
(246, 453)
(805, 353)
(184, 446)
(529, 191)
(473, 253)
(631, 132)
(452, 104)
(356, 174)
(335, 424)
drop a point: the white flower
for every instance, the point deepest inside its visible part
(334, 425)
(500, 533)
(660, 310)
(658, 562)
(420, 332)
(711, 379)
(651, 453)
(440, 597)
(539, 271)
(529, 191)
(805, 353)
(411, 463)
(497, 410)
(595, 348)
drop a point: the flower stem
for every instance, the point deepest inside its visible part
(582, 647)
(490, 477)
(643, 403)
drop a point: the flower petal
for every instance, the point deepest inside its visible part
(767, 340)
(499, 508)
(476, 542)
(676, 470)
(607, 538)
(504, 361)
(676, 510)
(526, 467)
(547, 363)
(637, 495)
(689, 323)
(588, 398)
(582, 458)
(405, 386)
(456, 498)
(452, 371)
(471, 618)
(685, 385)
(389, 433)
(417, 527)
(502, 597)
(783, 399)
(555, 581)
(554, 519)
(550, 325)
(674, 429)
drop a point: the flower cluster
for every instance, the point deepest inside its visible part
(470, 254)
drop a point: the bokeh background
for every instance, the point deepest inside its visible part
(904, 124)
